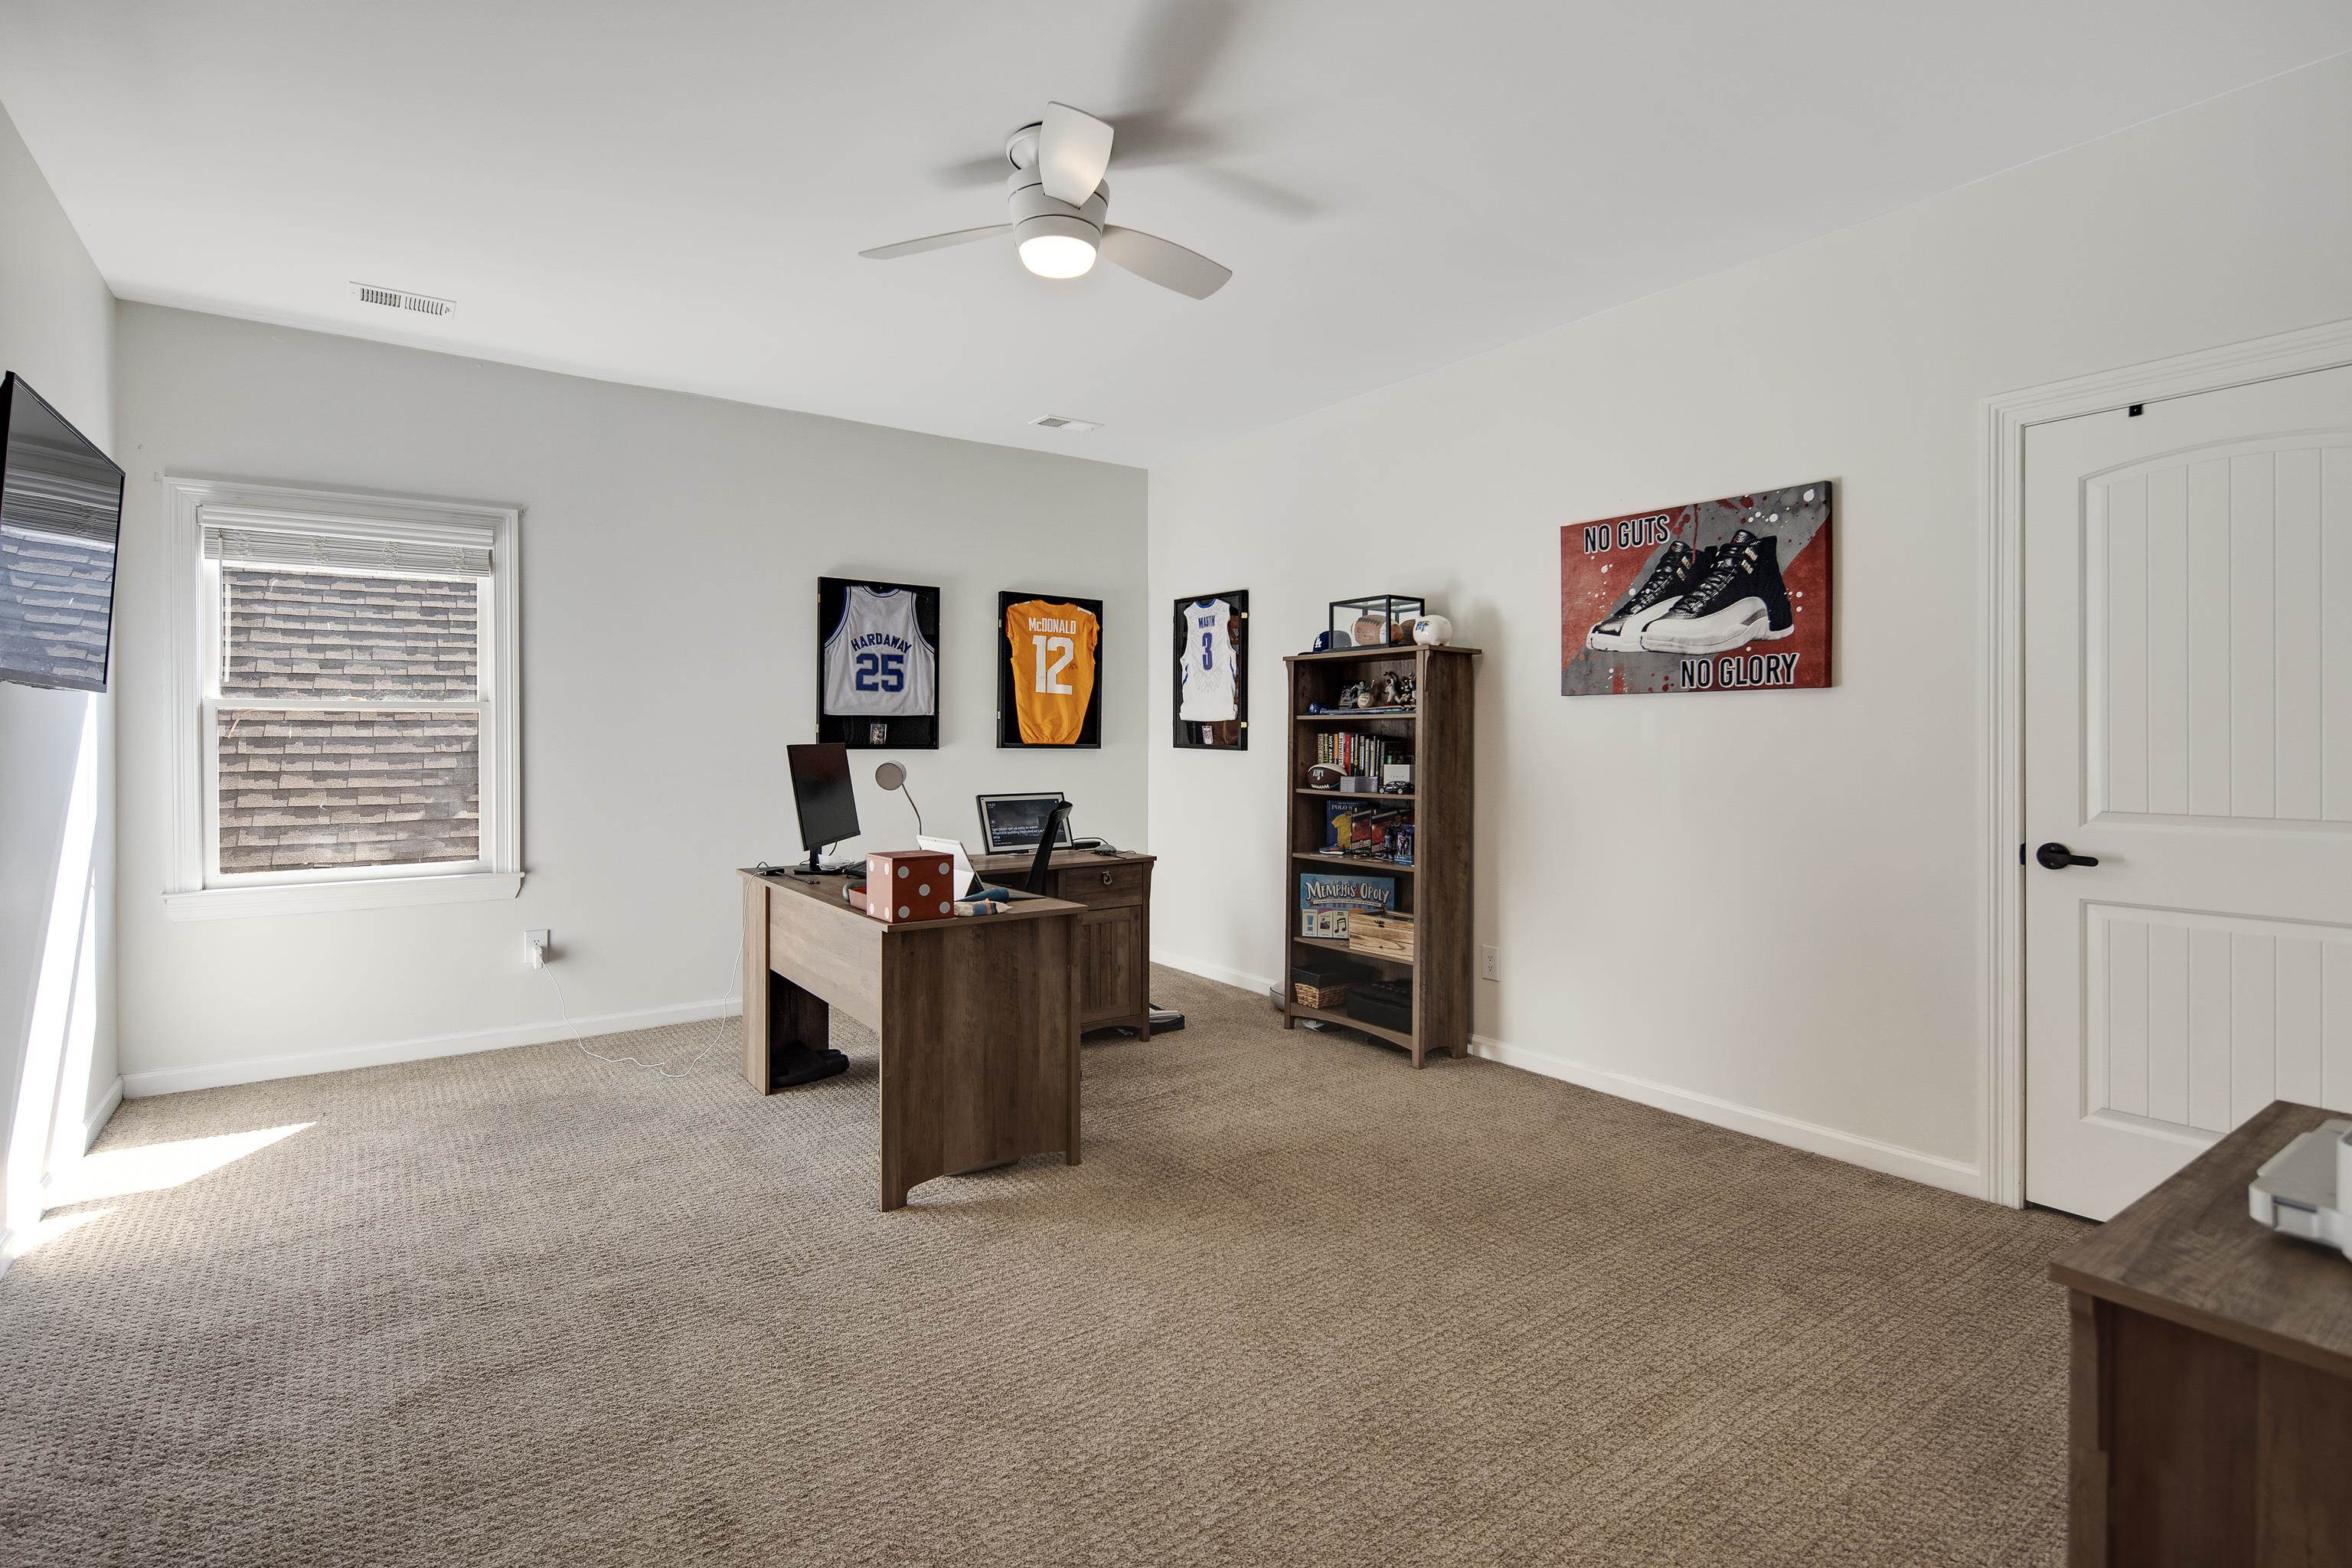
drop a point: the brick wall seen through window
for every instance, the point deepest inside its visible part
(314, 634)
(383, 785)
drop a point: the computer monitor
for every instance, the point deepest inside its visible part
(822, 795)
(1010, 823)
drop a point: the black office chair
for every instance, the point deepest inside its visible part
(1040, 869)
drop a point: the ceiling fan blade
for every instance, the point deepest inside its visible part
(933, 242)
(1263, 195)
(1148, 139)
(1073, 151)
(1178, 50)
(1163, 261)
(987, 171)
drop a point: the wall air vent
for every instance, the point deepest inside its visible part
(1064, 422)
(400, 300)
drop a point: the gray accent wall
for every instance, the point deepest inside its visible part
(670, 549)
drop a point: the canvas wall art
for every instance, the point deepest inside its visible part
(1730, 595)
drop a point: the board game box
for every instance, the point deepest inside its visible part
(1326, 899)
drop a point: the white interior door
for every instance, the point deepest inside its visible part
(2189, 725)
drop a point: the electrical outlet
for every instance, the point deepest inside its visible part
(1489, 964)
(538, 942)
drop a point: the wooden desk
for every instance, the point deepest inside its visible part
(977, 1016)
(2211, 1399)
(1114, 939)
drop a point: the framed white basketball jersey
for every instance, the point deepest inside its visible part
(877, 662)
(1210, 687)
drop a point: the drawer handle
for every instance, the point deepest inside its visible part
(1106, 879)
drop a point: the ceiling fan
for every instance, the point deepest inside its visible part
(1058, 199)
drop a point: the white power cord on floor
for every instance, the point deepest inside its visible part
(660, 1069)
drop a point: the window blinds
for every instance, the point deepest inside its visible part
(341, 550)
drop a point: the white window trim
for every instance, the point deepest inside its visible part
(499, 874)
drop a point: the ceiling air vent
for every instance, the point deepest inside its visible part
(400, 300)
(1064, 422)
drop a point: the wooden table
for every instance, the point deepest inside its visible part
(2210, 1417)
(978, 1016)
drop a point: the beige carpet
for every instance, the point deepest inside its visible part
(1301, 1304)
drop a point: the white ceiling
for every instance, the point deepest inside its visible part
(674, 193)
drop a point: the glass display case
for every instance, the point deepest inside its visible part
(1374, 620)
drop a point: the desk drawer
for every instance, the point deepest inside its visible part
(1101, 887)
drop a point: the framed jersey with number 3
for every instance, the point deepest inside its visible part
(1048, 693)
(1211, 695)
(878, 664)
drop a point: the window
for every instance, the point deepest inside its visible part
(347, 678)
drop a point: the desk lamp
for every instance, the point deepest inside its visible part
(890, 775)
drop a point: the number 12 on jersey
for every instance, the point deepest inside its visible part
(1061, 650)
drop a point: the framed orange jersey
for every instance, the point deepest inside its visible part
(1047, 691)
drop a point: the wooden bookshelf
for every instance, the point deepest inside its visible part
(1341, 949)
(1351, 862)
(1378, 1031)
(1439, 733)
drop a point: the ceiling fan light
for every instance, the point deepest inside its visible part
(1057, 255)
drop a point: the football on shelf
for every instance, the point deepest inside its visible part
(1323, 776)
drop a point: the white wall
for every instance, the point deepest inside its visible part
(1765, 909)
(657, 700)
(56, 963)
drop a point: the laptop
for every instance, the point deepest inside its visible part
(967, 882)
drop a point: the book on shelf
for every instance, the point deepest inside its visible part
(1357, 754)
(1370, 828)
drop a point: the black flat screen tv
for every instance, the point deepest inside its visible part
(60, 515)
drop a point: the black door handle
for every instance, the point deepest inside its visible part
(2057, 856)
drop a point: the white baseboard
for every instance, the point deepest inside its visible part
(1257, 983)
(8, 1250)
(1953, 1175)
(95, 1123)
(255, 1069)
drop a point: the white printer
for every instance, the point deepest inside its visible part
(2298, 1189)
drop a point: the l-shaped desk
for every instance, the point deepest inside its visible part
(978, 1017)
